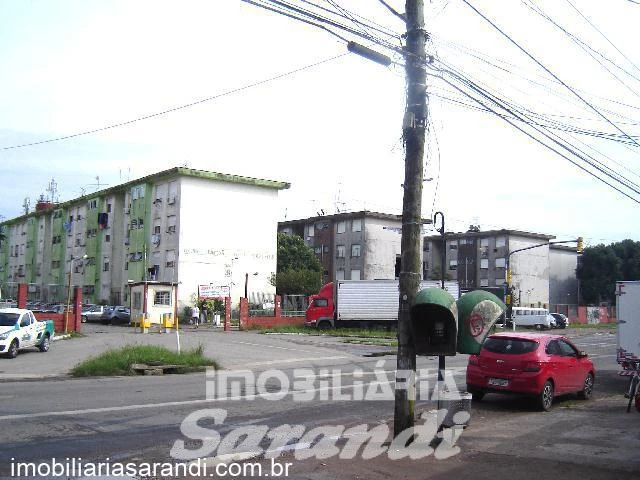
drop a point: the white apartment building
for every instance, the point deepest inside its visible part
(185, 226)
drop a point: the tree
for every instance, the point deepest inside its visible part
(601, 266)
(298, 269)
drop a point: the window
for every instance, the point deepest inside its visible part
(320, 302)
(453, 245)
(484, 282)
(501, 241)
(340, 274)
(310, 231)
(355, 274)
(325, 248)
(107, 238)
(171, 258)
(355, 250)
(92, 204)
(156, 229)
(484, 243)
(136, 300)
(88, 289)
(140, 223)
(500, 263)
(340, 251)
(57, 214)
(162, 298)
(173, 192)
(484, 263)
(108, 208)
(465, 241)
(453, 264)
(341, 227)
(171, 224)
(105, 266)
(318, 250)
(356, 225)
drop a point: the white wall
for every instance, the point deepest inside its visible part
(219, 222)
(530, 270)
(382, 247)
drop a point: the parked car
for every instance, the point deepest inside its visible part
(552, 321)
(561, 320)
(93, 314)
(541, 365)
(116, 314)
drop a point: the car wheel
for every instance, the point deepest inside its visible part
(538, 326)
(476, 393)
(45, 344)
(12, 352)
(587, 389)
(83, 319)
(545, 397)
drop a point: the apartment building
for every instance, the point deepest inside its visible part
(478, 259)
(185, 226)
(361, 245)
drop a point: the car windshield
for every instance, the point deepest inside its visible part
(8, 319)
(510, 346)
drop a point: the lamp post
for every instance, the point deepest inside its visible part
(66, 311)
(441, 230)
(246, 284)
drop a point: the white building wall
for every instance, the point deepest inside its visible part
(382, 241)
(563, 284)
(530, 270)
(226, 230)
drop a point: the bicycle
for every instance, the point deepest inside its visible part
(632, 369)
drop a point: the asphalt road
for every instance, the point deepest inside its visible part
(140, 419)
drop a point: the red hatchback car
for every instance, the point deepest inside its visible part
(537, 364)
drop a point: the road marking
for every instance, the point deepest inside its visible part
(293, 360)
(124, 408)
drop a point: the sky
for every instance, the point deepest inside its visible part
(272, 97)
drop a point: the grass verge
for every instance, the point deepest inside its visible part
(119, 361)
(611, 326)
(332, 332)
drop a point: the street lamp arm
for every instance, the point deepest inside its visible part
(541, 245)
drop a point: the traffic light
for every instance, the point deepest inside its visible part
(580, 247)
(434, 320)
(478, 311)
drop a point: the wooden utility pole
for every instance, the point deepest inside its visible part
(413, 129)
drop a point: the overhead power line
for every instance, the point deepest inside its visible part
(181, 107)
(511, 40)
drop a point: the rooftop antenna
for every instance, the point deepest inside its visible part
(26, 204)
(52, 188)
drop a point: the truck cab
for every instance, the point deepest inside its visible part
(321, 310)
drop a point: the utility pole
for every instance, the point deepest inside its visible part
(413, 130)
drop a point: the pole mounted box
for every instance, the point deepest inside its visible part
(434, 321)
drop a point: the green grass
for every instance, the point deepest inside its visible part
(380, 342)
(332, 332)
(119, 361)
(611, 326)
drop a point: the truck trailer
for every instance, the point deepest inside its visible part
(361, 303)
(628, 315)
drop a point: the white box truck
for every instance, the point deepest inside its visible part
(628, 316)
(361, 303)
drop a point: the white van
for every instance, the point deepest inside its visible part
(531, 317)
